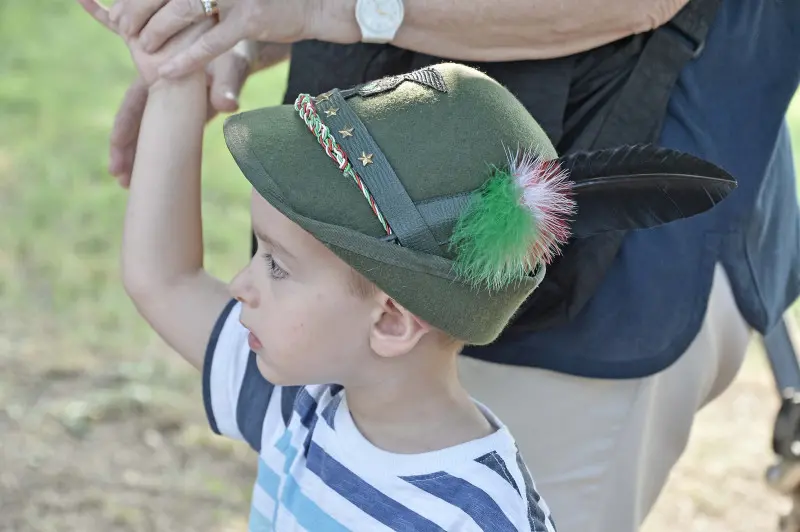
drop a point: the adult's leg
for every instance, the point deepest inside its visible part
(600, 451)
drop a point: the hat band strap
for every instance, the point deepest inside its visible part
(375, 177)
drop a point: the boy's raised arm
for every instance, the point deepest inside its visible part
(162, 248)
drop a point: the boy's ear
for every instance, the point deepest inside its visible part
(395, 330)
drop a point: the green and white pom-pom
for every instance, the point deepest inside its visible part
(516, 220)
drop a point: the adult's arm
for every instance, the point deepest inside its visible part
(472, 30)
(505, 30)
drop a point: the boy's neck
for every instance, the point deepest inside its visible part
(418, 409)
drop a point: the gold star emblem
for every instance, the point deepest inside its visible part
(366, 158)
(331, 111)
(323, 97)
(346, 132)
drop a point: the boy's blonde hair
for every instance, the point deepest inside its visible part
(362, 287)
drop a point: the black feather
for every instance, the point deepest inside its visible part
(635, 187)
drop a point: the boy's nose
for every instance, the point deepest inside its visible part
(241, 289)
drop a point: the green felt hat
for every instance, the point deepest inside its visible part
(439, 187)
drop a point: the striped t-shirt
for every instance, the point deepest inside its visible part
(317, 473)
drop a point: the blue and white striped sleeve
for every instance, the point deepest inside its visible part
(239, 401)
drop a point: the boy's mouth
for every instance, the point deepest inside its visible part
(254, 342)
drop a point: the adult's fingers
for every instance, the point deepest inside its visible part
(131, 16)
(98, 12)
(125, 132)
(175, 16)
(216, 41)
(229, 72)
(124, 178)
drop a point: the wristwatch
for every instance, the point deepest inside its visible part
(379, 20)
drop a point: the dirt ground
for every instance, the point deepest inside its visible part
(718, 485)
(88, 445)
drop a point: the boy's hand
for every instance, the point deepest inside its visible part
(148, 64)
(226, 76)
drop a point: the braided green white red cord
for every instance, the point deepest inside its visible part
(304, 105)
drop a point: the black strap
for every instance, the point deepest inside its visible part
(640, 108)
(694, 21)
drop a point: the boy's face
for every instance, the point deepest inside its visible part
(307, 325)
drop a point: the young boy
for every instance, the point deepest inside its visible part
(396, 222)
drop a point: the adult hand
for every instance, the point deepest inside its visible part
(226, 76)
(125, 132)
(148, 64)
(157, 21)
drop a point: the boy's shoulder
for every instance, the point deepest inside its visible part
(307, 434)
(483, 484)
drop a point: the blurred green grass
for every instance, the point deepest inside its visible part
(60, 212)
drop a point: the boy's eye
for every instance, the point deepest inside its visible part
(275, 271)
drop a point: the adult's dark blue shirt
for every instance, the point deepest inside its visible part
(728, 107)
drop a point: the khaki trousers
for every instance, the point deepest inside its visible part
(599, 450)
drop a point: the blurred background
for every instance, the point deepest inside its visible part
(101, 426)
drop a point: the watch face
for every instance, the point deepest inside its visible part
(380, 16)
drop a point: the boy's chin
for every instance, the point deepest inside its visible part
(276, 377)
(268, 372)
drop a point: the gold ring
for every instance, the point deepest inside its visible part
(210, 7)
